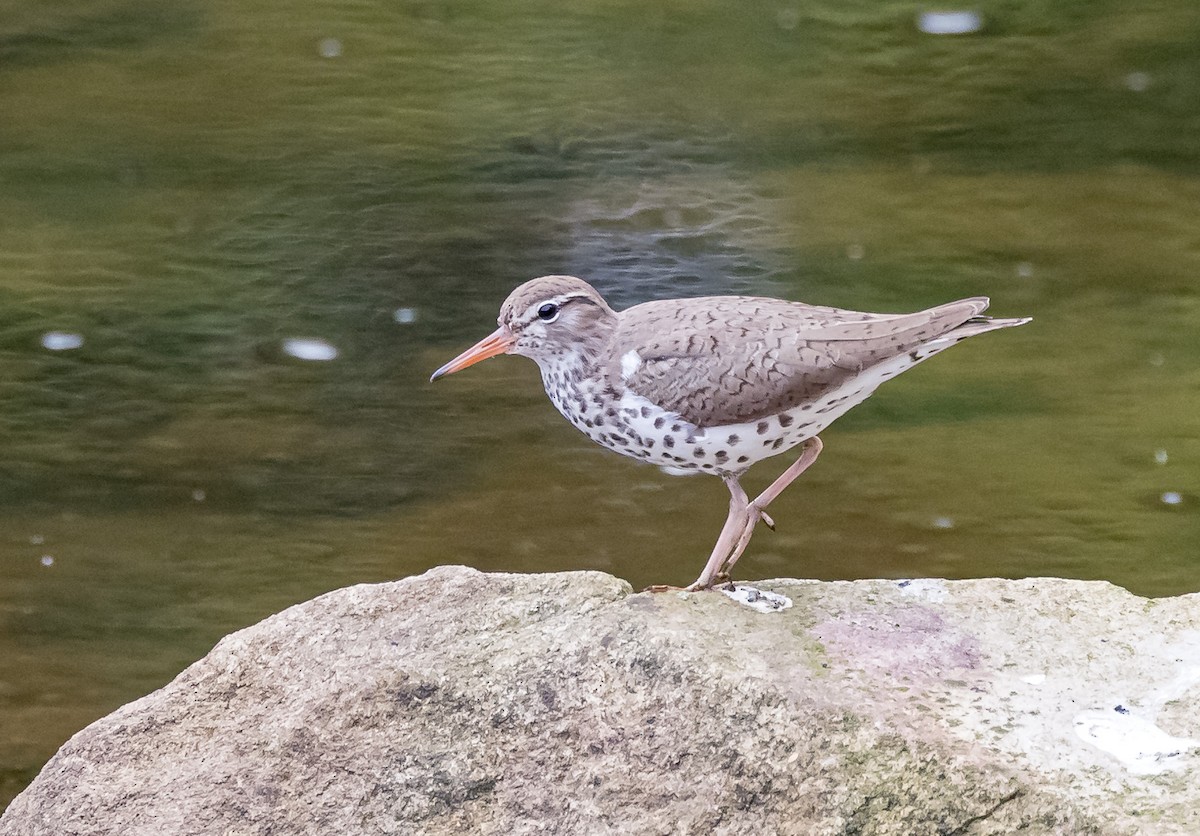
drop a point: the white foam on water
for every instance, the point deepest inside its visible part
(303, 348)
(61, 341)
(950, 22)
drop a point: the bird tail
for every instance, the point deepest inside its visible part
(981, 324)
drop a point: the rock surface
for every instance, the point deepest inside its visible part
(459, 702)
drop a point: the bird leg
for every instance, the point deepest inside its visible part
(743, 516)
(809, 452)
(730, 533)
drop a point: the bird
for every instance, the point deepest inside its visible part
(714, 384)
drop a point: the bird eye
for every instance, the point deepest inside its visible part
(548, 312)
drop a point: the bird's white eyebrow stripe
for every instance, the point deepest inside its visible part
(576, 297)
(560, 301)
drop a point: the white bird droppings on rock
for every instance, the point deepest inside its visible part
(1141, 746)
(757, 599)
(931, 589)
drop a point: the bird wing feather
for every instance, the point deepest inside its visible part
(726, 360)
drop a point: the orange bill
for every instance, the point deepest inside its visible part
(498, 342)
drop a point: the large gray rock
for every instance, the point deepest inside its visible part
(459, 702)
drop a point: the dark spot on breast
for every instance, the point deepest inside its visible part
(722, 455)
(733, 439)
(620, 439)
(645, 412)
(676, 428)
(762, 427)
(742, 459)
(707, 466)
(658, 422)
(778, 443)
(786, 420)
(648, 443)
(698, 452)
(669, 441)
(914, 356)
(610, 412)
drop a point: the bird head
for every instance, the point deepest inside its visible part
(545, 319)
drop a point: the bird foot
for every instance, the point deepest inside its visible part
(696, 587)
(722, 578)
(666, 587)
(770, 523)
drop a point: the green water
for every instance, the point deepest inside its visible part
(186, 185)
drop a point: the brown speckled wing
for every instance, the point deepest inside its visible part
(730, 359)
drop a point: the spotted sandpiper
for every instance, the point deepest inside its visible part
(714, 384)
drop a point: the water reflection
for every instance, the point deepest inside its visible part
(700, 234)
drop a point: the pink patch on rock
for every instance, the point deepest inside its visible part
(907, 642)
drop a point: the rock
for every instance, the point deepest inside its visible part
(460, 702)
